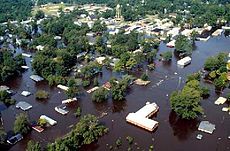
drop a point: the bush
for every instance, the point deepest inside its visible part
(194, 76)
(100, 95)
(144, 77)
(42, 94)
(78, 112)
(228, 96)
(118, 142)
(42, 122)
(85, 83)
(129, 139)
(216, 62)
(6, 99)
(205, 91)
(95, 82)
(33, 146)
(166, 56)
(212, 74)
(21, 124)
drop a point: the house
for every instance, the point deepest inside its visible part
(23, 106)
(25, 67)
(93, 89)
(207, 127)
(25, 93)
(183, 62)
(217, 32)
(141, 82)
(171, 44)
(36, 78)
(4, 88)
(100, 60)
(141, 117)
(69, 100)
(48, 120)
(61, 109)
(63, 87)
(26, 55)
(220, 100)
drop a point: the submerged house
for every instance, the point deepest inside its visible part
(23, 106)
(36, 78)
(48, 120)
(141, 117)
(183, 62)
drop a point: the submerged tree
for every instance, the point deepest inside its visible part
(21, 124)
(100, 95)
(183, 45)
(186, 103)
(33, 146)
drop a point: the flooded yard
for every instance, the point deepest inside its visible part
(172, 134)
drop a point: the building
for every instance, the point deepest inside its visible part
(141, 117)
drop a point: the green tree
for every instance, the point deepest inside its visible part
(144, 77)
(5, 98)
(183, 45)
(166, 56)
(216, 62)
(21, 124)
(2, 135)
(42, 94)
(186, 103)
(100, 95)
(33, 146)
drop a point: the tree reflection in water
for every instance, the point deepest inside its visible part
(182, 129)
(119, 106)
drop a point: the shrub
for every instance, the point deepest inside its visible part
(100, 95)
(118, 142)
(78, 112)
(85, 83)
(205, 91)
(42, 94)
(129, 139)
(42, 122)
(144, 77)
(194, 76)
(21, 124)
(166, 56)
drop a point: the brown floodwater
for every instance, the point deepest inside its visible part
(173, 134)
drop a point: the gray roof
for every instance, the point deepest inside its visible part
(23, 105)
(207, 127)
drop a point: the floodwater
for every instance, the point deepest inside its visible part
(173, 134)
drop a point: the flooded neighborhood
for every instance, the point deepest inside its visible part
(85, 79)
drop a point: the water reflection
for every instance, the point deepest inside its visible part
(182, 129)
(119, 106)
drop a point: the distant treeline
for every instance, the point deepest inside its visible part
(15, 9)
(201, 11)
